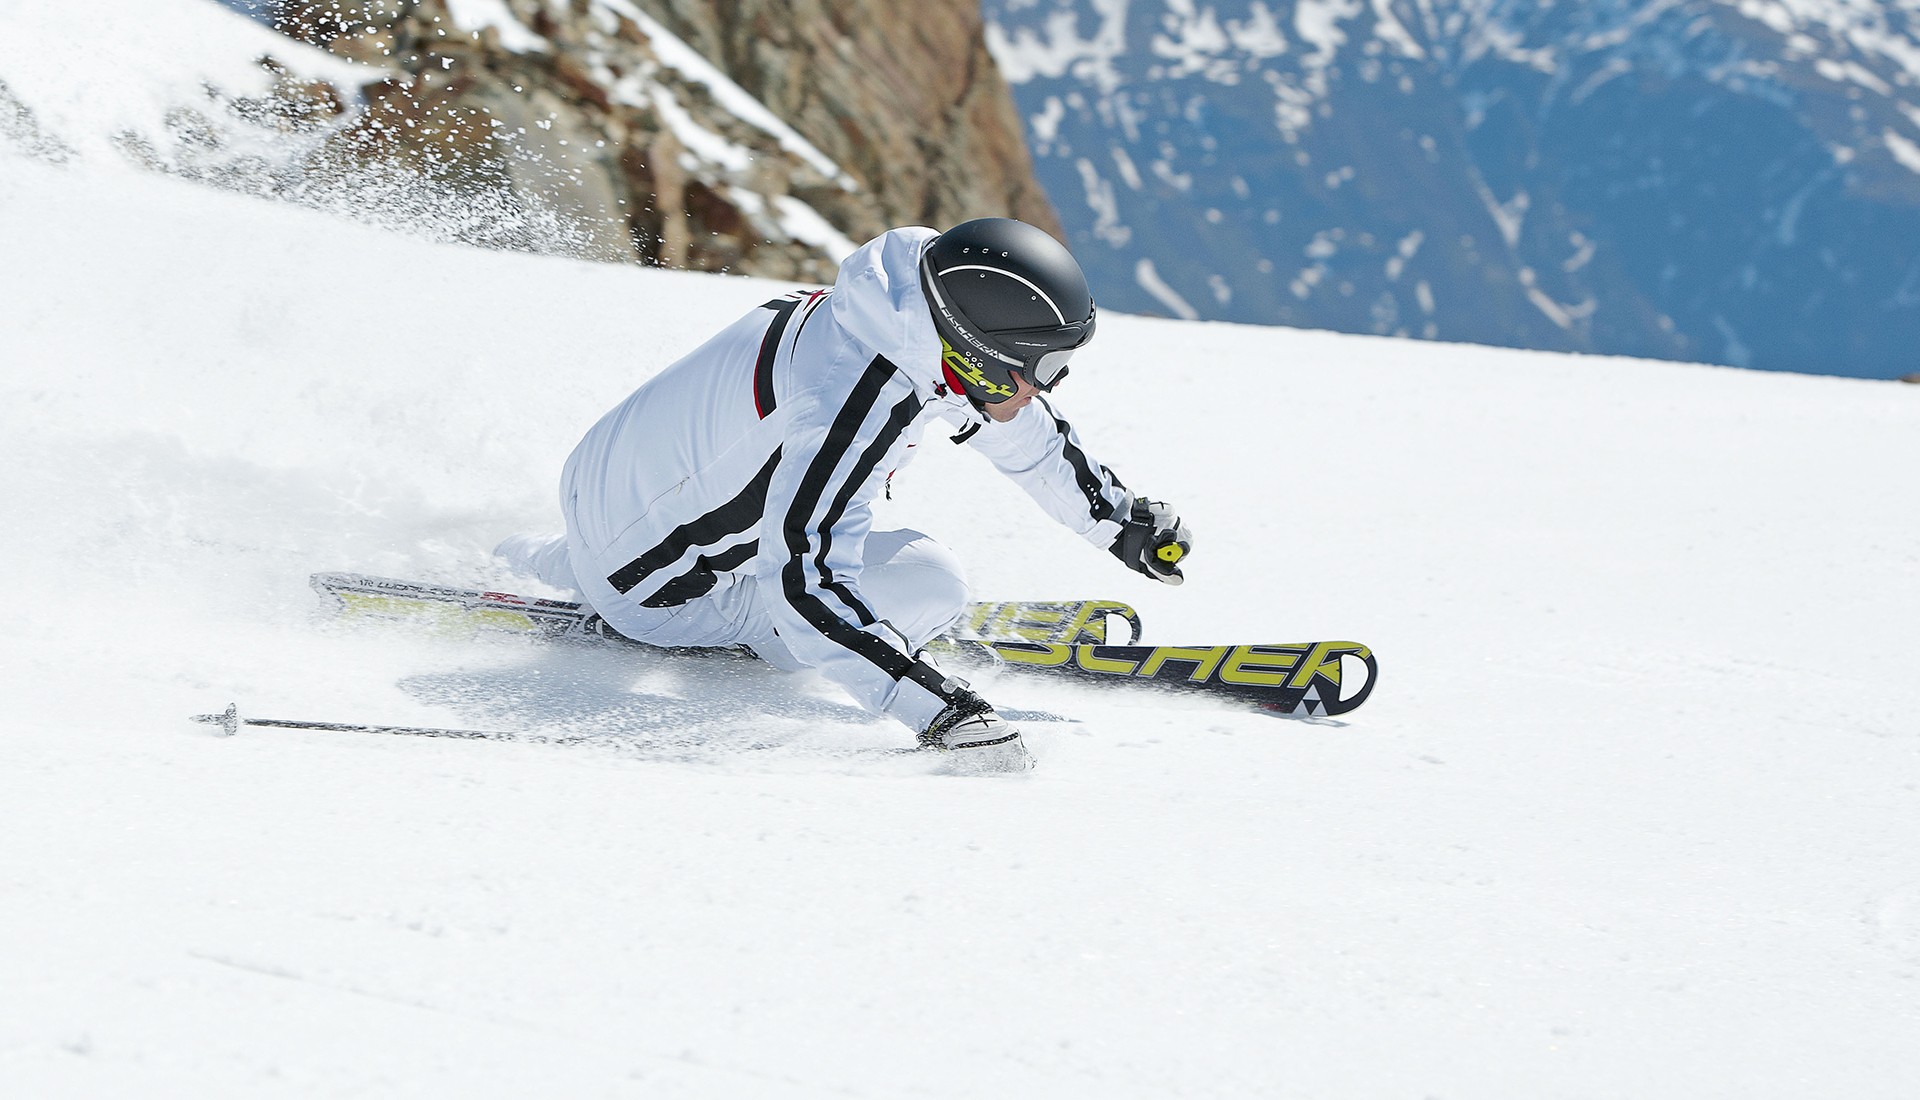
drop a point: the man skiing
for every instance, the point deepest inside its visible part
(728, 501)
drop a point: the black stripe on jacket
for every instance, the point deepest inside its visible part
(704, 574)
(769, 347)
(742, 513)
(813, 488)
(1097, 504)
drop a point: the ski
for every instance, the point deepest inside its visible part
(1065, 639)
(1303, 680)
(1062, 621)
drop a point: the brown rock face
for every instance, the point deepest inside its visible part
(643, 157)
(902, 95)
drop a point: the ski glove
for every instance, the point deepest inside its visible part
(1153, 541)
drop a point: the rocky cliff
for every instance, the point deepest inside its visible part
(762, 137)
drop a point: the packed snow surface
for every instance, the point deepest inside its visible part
(1632, 813)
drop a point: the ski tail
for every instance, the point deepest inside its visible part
(360, 595)
(357, 594)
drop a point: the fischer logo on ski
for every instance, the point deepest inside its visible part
(1070, 622)
(1310, 678)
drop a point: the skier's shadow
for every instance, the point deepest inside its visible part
(635, 697)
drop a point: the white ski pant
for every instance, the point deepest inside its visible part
(911, 581)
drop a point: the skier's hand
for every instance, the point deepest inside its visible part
(1153, 541)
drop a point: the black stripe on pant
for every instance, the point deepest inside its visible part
(841, 436)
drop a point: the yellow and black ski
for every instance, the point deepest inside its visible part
(1061, 638)
(1039, 621)
(1307, 679)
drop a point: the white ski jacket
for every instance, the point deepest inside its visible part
(760, 454)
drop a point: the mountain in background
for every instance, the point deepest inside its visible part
(1732, 182)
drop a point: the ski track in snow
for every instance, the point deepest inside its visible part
(1632, 812)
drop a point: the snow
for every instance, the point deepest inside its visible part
(129, 86)
(797, 220)
(1904, 150)
(1317, 22)
(1390, 31)
(474, 16)
(641, 89)
(1150, 281)
(1260, 36)
(735, 100)
(1024, 55)
(699, 140)
(804, 223)
(1631, 813)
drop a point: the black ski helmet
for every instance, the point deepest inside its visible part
(1005, 296)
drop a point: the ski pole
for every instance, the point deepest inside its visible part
(230, 722)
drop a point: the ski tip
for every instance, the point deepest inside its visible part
(1328, 697)
(1350, 700)
(1359, 673)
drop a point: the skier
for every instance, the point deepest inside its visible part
(728, 501)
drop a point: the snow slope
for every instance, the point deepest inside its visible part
(1632, 812)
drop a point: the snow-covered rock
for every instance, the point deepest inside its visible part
(595, 130)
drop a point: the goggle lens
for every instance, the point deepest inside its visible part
(1051, 368)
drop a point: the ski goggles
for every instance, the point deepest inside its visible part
(1045, 353)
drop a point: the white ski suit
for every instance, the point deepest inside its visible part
(729, 499)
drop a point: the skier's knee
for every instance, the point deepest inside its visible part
(943, 595)
(915, 583)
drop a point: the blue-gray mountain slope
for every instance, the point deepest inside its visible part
(1734, 181)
